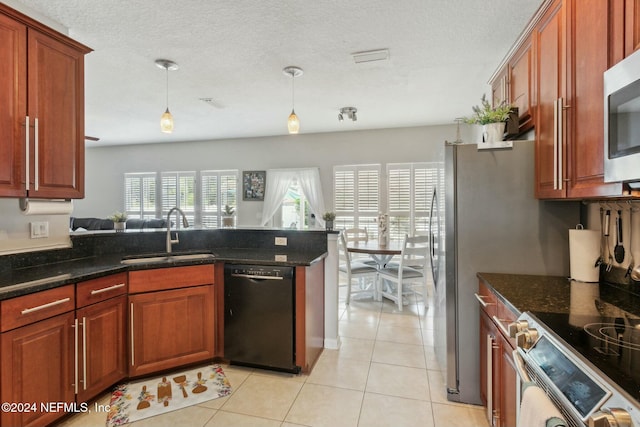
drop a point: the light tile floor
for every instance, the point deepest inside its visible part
(384, 374)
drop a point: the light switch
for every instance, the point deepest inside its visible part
(39, 229)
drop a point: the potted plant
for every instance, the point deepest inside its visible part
(328, 218)
(227, 216)
(119, 220)
(492, 119)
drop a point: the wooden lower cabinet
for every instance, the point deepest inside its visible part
(170, 328)
(508, 402)
(38, 367)
(498, 377)
(102, 331)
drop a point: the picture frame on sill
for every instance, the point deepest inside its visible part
(253, 185)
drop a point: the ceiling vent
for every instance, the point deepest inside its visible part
(211, 102)
(371, 56)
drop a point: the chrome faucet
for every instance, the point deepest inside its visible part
(185, 223)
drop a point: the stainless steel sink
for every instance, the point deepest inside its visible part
(153, 259)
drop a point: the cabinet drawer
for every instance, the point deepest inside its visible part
(486, 299)
(170, 278)
(101, 289)
(16, 312)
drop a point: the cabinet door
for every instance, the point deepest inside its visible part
(489, 369)
(520, 85)
(56, 107)
(588, 47)
(13, 107)
(102, 337)
(548, 38)
(631, 26)
(38, 366)
(508, 377)
(500, 89)
(170, 328)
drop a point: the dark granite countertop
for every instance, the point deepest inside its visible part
(23, 281)
(560, 295)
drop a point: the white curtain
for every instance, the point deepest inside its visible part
(279, 181)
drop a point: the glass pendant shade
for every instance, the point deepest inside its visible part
(293, 123)
(166, 122)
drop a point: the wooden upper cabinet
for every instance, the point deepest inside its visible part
(572, 51)
(631, 26)
(521, 81)
(56, 106)
(549, 65)
(588, 58)
(42, 110)
(13, 80)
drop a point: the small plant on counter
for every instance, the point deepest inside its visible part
(329, 216)
(228, 210)
(118, 216)
(484, 114)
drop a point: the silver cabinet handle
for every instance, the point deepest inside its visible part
(107, 289)
(560, 142)
(84, 353)
(75, 327)
(47, 305)
(37, 156)
(482, 301)
(26, 160)
(133, 349)
(500, 324)
(555, 144)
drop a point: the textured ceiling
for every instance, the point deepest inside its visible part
(442, 53)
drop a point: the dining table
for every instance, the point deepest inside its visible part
(378, 252)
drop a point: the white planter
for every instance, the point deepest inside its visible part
(493, 132)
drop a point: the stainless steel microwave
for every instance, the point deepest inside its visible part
(622, 122)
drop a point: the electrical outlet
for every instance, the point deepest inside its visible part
(39, 229)
(281, 241)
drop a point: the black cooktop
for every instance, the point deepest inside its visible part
(603, 325)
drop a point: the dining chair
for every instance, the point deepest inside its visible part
(355, 270)
(410, 269)
(358, 235)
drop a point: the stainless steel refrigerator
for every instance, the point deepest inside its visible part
(487, 220)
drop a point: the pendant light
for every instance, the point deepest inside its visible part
(166, 121)
(293, 123)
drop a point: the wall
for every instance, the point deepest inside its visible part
(106, 166)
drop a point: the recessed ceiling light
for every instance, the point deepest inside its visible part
(371, 55)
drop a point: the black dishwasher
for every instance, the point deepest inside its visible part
(259, 316)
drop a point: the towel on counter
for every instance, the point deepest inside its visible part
(537, 410)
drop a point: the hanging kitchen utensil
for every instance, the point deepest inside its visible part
(635, 273)
(607, 225)
(600, 259)
(631, 260)
(618, 250)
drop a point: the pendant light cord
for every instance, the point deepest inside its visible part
(167, 71)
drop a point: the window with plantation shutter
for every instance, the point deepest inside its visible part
(179, 189)
(356, 190)
(140, 195)
(409, 189)
(218, 188)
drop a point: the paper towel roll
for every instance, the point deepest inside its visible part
(584, 251)
(46, 207)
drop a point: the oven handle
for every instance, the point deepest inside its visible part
(518, 362)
